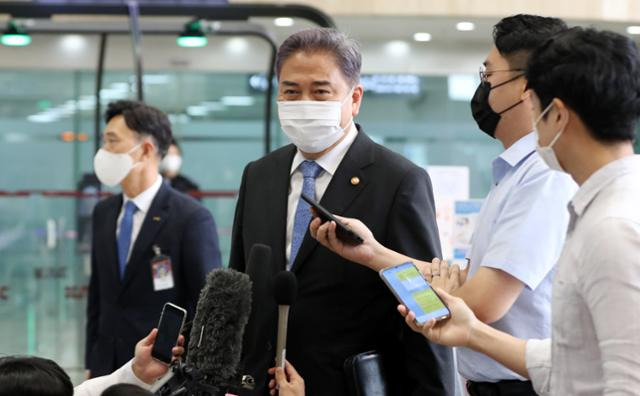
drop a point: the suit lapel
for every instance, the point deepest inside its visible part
(278, 205)
(341, 191)
(153, 222)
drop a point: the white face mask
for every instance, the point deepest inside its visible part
(546, 153)
(112, 168)
(312, 125)
(171, 163)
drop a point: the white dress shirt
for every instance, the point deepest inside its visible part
(123, 375)
(329, 162)
(595, 338)
(143, 203)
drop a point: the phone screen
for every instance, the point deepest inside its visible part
(169, 329)
(414, 292)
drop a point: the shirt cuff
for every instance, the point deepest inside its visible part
(125, 375)
(538, 361)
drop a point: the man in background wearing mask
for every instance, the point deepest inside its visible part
(523, 221)
(170, 169)
(151, 244)
(342, 308)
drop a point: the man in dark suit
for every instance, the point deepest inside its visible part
(342, 308)
(151, 244)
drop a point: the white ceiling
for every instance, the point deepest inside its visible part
(387, 44)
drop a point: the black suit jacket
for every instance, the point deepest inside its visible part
(185, 185)
(342, 308)
(121, 312)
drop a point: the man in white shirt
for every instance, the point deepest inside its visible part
(584, 88)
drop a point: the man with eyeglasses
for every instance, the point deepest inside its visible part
(583, 86)
(522, 224)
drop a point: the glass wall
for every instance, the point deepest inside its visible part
(47, 146)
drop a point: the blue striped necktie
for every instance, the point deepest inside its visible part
(124, 236)
(310, 171)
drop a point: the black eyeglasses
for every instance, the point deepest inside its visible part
(484, 73)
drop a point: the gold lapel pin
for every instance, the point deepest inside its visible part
(156, 218)
(355, 181)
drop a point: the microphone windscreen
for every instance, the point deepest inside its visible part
(285, 288)
(223, 309)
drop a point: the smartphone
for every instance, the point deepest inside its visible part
(169, 328)
(342, 231)
(412, 290)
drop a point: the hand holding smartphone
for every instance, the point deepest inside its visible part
(169, 328)
(412, 290)
(342, 231)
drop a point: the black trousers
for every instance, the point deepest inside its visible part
(501, 388)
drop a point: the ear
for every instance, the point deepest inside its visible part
(525, 97)
(356, 97)
(530, 96)
(526, 94)
(561, 115)
(149, 150)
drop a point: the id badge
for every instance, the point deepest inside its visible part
(161, 271)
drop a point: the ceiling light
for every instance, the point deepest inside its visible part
(73, 43)
(283, 22)
(633, 29)
(422, 36)
(237, 45)
(397, 48)
(192, 36)
(15, 36)
(465, 26)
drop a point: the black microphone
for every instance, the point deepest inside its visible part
(260, 273)
(285, 290)
(215, 343)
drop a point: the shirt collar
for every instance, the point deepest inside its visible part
(601, 179)
(144, 199)
(330, 161)
(512, 156)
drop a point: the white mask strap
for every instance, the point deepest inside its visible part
(544, 112)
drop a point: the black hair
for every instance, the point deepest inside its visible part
(33, 376)
(596, 74)
(174, 142)
(345, 50)
(145, 120)
(125, 390)
(516, 36)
